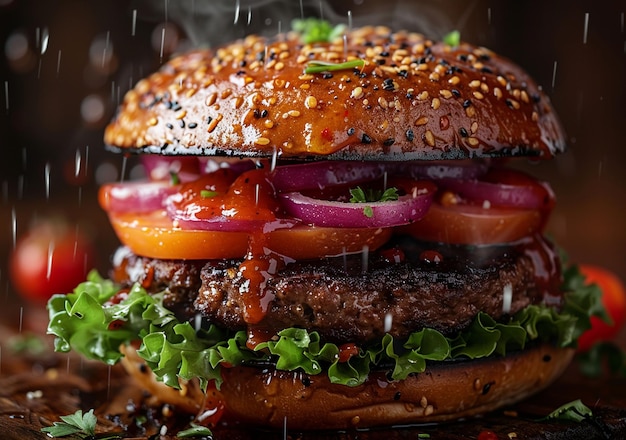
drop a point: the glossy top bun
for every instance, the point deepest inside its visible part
(412, 98)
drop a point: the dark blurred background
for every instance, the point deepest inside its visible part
(66, 64)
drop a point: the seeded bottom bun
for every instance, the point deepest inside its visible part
(445, 391)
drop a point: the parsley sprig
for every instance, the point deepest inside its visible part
(78, 425)
(575, 411)
(315, 30)
(369, 195)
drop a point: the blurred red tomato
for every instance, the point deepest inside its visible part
(614, 300)
(50, 258)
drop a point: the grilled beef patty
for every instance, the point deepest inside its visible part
(345, 301)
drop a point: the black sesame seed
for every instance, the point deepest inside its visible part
(192, 125)
(397, 396)
(366, 139)
(467, 103)
(264, 113)
(546, 358)
(260, 56)
(388, 85)
(256, 113)
(389, 142)
(181, 123)
(168, 125)
(168, 104)
(535, 97)
(306, 381)
(403, 73)
(209, 119)
(384, 54)
(409, 95)
(486, 70)
(456, 93)
(444, 62)
(350, 131)
(410, 135)
(509, 103)
(241, 72)
(462, 57)
(327, 75)
(420, 60)
(380, 61)
(485, 57)
(463, 132)
(487, 387)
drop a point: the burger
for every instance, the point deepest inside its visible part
(333, 233)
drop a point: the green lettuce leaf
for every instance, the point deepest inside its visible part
(88, 322)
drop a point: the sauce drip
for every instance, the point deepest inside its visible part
(547, 267)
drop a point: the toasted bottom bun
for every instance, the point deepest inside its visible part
(445, 391)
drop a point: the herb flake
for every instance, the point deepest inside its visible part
(323, 66)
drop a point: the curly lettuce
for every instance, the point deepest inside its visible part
(89, 322)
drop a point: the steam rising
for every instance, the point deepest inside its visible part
(215, 22)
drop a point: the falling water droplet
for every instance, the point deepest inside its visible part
(106, 49)
(123, 172)
(365, 258)
(285, 428)
(21, 320)
(162, 44)
(45, 38)
(134, 25)
(554, 74)
(301, 10)
(6, 96)
(388, 322)
(67, 365)
(249, 15)
(50, 255)
(321, 10)
(166, 9)
(586, 27)
(257, 187)
(237, 9)
(109, 382)
(14, 225)
(349, 20)
(385, 181)
(345, 46)
(489, 16)
(58, 63)
(77, 163)
(46, 176)
(621, 22)
(274, 159)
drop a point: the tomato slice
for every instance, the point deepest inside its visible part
(154, 235)
(471, 224)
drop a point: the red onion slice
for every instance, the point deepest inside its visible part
(140, 196)
(407, 209)
(319, 175)
(504, 188)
